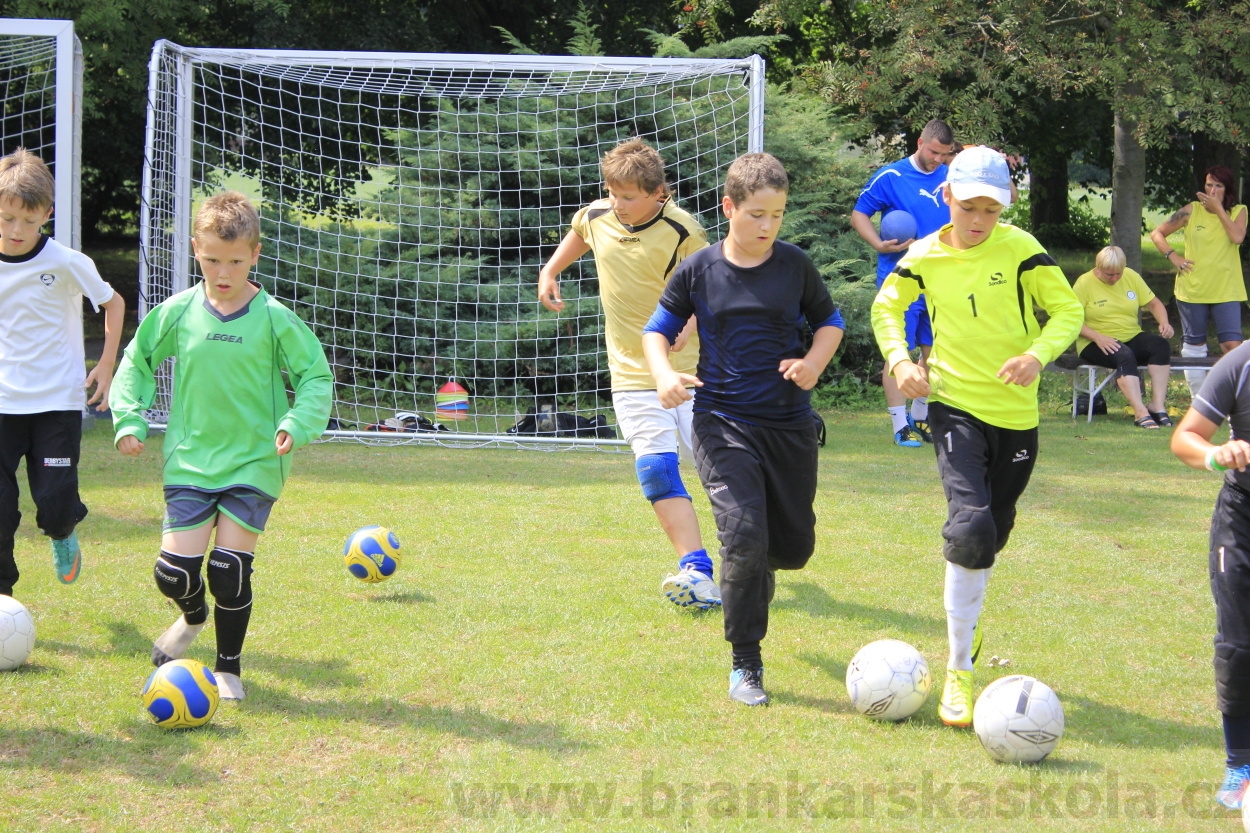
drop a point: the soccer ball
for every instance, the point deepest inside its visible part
(888, 680)
(181, 695)
(17, 633)
(898, 225)
(1018, 719)
(372, 553)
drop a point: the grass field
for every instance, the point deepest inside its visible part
(521, 672)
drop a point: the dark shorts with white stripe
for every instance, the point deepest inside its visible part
(984, 470)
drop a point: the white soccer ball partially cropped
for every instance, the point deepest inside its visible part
(888, 680)
(1018, 719)
(17, 633)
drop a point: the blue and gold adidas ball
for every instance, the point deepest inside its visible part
(181, 695)
(372, 553)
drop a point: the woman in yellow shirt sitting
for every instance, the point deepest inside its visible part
(1209, 283)
(1112, 336)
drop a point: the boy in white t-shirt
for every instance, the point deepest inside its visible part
(42, 368)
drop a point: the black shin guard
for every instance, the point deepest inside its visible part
(178, 578)
(230, 580)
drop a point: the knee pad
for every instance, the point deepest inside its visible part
(744, 546)
(971, 539)
(660, 477)
(1232, 679)
(178, 576)
(1193, 351)
(230, 577)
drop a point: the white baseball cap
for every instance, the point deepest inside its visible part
(979, 171)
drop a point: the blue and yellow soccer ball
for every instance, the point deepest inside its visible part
(181, 695)
(372, 553)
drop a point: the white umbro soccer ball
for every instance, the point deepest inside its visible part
(888, 680)
(1018, 719)
(17, 633)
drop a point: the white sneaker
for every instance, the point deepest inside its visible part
(229, 686)
(175, 641)
(691, 588)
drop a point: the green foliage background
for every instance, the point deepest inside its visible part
(434, 276)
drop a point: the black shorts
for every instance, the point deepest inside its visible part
(984, 470)
(761, 483)
(1230, 587)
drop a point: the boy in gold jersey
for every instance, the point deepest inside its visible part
(981, 281)
(639, 235)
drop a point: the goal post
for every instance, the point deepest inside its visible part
(41, 71)
(408, 202)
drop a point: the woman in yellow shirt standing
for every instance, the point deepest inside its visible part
(1209, 282)
(1111, 336)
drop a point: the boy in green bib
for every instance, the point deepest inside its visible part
(231, 430)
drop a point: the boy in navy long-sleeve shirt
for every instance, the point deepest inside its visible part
(755, 434)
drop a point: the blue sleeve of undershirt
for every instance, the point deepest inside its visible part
(664, 322)
(834, 320)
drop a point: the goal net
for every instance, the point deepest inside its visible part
(408, 201)
(41, 96)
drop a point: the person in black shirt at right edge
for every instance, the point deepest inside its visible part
(1224, 395)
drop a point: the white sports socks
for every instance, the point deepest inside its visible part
(898, 415)
(963, 596)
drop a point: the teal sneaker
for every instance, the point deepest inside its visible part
(67, 558)
(1233, 791)
(746, 685)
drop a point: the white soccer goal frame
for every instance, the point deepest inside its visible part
(169, 189)
(67, 113)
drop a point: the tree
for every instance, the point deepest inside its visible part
(995, 70)
(117, 39)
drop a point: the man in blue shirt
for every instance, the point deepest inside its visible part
(913, 185)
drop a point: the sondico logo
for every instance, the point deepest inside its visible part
(628, 240)
(997, 279)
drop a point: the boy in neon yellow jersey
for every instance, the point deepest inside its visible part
(981, 281)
